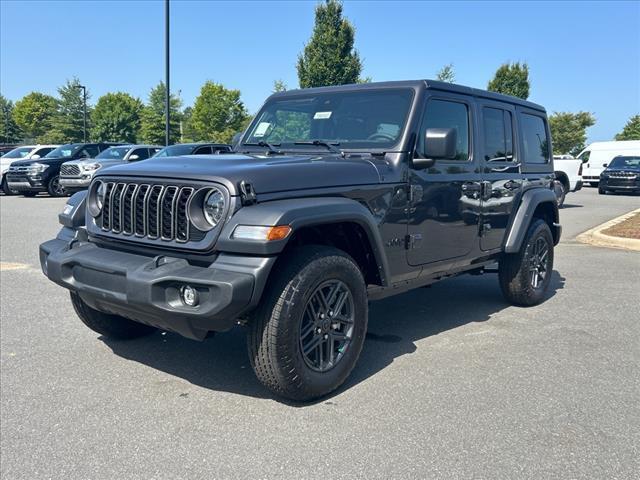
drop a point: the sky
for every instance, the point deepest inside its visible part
(583, 56)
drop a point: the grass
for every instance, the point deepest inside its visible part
(629, 228)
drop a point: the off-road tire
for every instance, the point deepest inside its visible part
(514, 268)
(274, 337)
(53, 187)
(110, 326)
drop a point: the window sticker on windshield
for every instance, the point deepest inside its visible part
(322, 115)
(261, 129)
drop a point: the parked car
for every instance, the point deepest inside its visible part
(76, 175)
(29, 177)
(598, 154)
(6, 148)
(181, 149)
(622, 175)
(25, 152)
(568, 171)
(337, 196)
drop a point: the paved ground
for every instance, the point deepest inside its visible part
(452, 383)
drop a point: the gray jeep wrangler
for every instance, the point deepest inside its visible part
(334, 197)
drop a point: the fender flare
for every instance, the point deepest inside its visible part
(299, 213)
(530, 200)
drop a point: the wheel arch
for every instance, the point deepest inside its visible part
(535, 203)
(563, 178)
(339, 222)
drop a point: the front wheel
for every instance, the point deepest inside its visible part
(5, 188)
(110, 326)
(307, 335)
(602, 191)
(54, 188)
(525, 276)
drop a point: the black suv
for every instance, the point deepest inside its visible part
(28, 177)
(335, 196)
(621, 175)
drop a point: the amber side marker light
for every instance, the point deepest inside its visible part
(259, 232)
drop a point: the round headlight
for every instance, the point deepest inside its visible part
(101, 191)
(213, 207)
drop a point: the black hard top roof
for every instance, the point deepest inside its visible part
(417, 84)
(197, 144)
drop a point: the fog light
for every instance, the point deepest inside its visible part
(189, 295)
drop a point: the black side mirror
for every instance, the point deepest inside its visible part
(439, 143)
(605, 165)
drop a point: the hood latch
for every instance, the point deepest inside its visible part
(247, 193)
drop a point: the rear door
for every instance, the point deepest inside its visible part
(501, 177)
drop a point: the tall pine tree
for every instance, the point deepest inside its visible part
(67, 125)
(153, 117)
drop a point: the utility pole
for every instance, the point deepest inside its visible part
(167, 95)
(84, 112)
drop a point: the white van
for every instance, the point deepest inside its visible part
(598, 155)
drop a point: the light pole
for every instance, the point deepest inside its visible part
(84, 112)
(167, 94)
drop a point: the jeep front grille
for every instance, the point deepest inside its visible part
(147, 211)
(69, 169)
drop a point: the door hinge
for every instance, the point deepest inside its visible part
(484, 228)
(413, 241)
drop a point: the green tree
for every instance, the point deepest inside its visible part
(153, 117)
(447, 74)
(187, 133)
(511, 79)
(329, 58)
(569, 131)
(631, 130)
(218, 113)
(116, 118)
(33, 114)
(279, 86)
(9, 130)
(67, 125)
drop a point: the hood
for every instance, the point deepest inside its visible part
(45, 161)
(266, 174)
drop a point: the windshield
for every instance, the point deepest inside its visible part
(359, 119)
(19, 152)
(114, 153)
(625, 162)
(64, 151)
(175, 150)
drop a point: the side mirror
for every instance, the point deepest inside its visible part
(134, 157)
(439, 143)
(35, 157)
(605, 165)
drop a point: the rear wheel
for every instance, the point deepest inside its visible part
(54, 188)
(307, 335)
(525, 276)
(111, 326)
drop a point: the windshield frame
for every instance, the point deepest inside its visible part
(247, 144)
(74, 147)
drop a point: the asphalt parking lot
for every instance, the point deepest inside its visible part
(452, 382)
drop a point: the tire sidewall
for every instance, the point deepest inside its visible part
(537, 230)
(50, 190)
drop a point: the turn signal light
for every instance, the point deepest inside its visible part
(262, 233)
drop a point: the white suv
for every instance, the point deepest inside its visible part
(25, 152)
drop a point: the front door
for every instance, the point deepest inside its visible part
(445, 198)
(500, 170)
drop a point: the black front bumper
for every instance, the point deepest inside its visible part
(146, 289)
(620, 185)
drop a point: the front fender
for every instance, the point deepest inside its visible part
(299, 213)
(530, 201)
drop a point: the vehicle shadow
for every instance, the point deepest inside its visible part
(221, 363)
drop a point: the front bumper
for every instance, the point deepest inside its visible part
(146, 289)
(75, 183)
(620, 184)
(26, 183)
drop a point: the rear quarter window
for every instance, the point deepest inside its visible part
(535, 141)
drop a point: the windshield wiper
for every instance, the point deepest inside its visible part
(331, 146)
(270, 146)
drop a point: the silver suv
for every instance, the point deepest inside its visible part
(76, 175)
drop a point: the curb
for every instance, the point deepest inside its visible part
(597, 238)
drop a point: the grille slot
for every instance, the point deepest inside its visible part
(147, 211)
(69, 169)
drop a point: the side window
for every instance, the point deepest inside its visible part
(203, 151)
(584, 156)
(142, 153)
(534, 139)
(447, 114)
(43, 151)
(90, 151)
(154, 150)
(498, 135)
